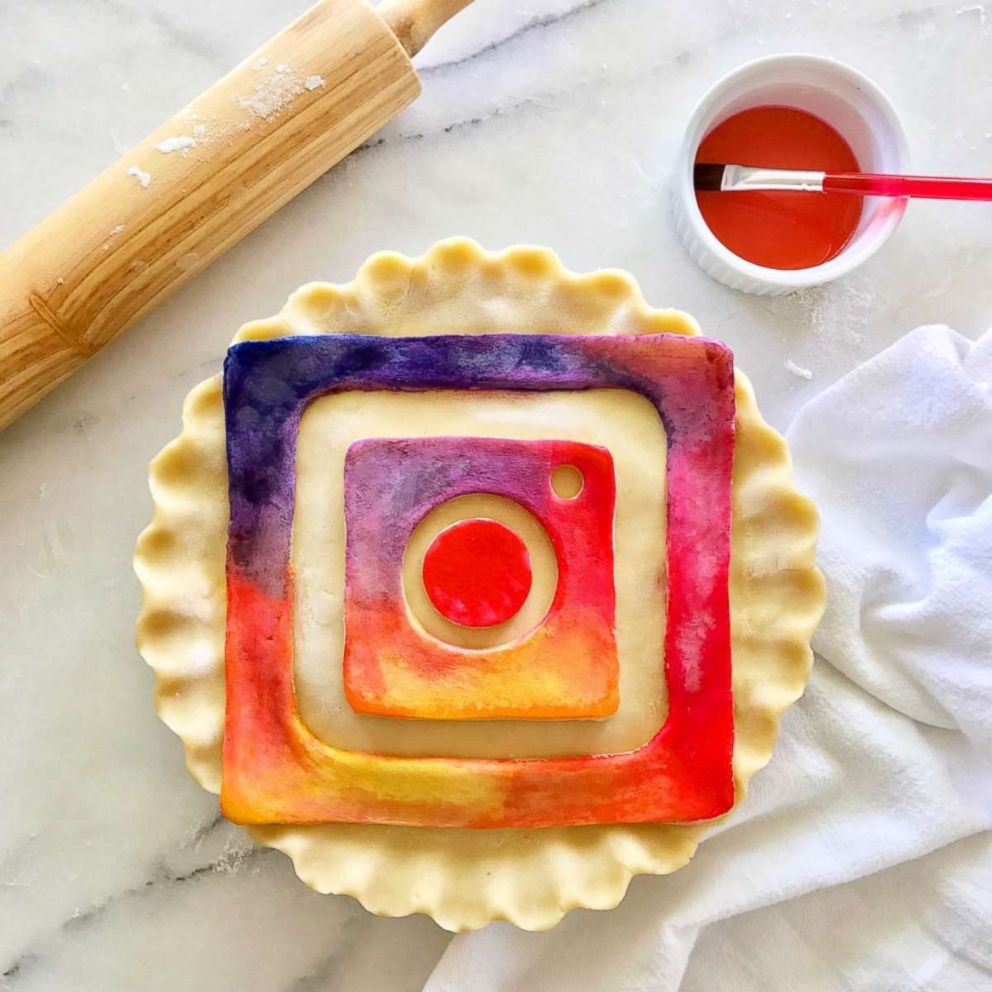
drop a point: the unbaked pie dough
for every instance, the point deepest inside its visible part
(462, 877)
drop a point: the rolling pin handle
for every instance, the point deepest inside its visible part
(415, 21)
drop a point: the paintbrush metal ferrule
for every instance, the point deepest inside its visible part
(743, 177)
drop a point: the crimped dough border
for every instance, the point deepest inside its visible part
(464, 879)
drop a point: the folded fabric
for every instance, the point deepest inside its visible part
(862, 857)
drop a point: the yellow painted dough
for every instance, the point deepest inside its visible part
(465, 878)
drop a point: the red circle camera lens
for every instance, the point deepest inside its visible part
(477, 573)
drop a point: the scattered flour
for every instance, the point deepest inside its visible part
(284, 67)
(837, 314)
(975, 8)
(180, 143)
(798, 370)
(200, 131)
(272, 96)
(260, 64)
(314, 82)
(235, 853)
(144, 178)
(117, 230)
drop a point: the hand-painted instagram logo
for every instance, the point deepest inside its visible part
(479, 583)
(479, 579)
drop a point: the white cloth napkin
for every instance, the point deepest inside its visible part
(862, 858)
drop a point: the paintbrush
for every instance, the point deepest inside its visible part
(709, 176)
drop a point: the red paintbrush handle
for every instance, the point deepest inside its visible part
(926, 187)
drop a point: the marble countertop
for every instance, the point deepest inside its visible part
(546, 121)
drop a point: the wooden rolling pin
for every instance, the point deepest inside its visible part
(201, 182)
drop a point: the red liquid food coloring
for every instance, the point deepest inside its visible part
(780, 230)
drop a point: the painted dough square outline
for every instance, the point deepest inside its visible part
(275, 771)
(561, 664)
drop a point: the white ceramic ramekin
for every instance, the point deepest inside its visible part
(833, 92)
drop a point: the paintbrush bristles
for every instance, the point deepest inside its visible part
(707, 176)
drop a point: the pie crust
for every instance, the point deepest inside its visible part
(464, 878)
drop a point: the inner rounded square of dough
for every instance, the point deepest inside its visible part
(623, 422)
